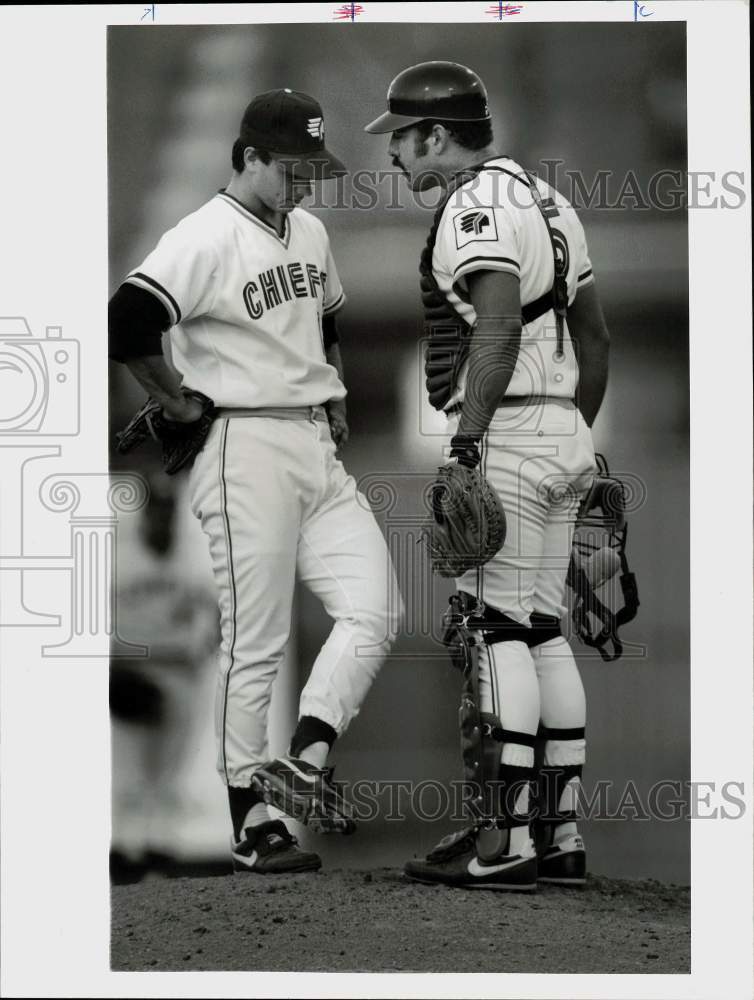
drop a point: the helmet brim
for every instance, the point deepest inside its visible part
(389, 122)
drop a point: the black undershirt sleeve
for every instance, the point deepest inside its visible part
(136, 320)
(329, 331)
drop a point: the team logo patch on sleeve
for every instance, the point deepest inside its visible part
(474, 226)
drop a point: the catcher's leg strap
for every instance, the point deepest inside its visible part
(550, 733)
(496, 626)
(508, 735)
(502, 783)
(543, 628)
(552, 779)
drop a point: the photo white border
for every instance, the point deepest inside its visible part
(55, 728)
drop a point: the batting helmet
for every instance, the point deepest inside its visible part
(442, 90)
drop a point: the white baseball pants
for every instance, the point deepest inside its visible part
(275, 503)
(540, 459)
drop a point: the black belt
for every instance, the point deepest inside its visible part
(564, 401)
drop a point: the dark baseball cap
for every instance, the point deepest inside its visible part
(291, 126)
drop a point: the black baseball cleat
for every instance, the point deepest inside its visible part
(563, 862)
(270, 849)
(455, 861)
(305, 793)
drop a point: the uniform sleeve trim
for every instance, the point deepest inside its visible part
(503, 264)
(150, 285)
(493, 263)
(336, 305)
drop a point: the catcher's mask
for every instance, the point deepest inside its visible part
(601, 528)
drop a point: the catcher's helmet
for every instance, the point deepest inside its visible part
(443, 90)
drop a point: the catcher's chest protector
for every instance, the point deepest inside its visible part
(446, 332)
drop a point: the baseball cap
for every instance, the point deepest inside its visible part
(292, 127)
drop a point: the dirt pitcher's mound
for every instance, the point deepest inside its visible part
(378, 921)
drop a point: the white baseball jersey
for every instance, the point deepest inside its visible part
(247, 305)
(492, 223)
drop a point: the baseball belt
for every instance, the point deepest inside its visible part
(278, 412)
(563, 401)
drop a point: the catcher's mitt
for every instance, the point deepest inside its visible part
(468, 521)
(181, 442)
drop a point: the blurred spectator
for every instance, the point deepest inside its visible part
(166, 602)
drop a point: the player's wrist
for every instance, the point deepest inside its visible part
(464, 448)
(183, 409)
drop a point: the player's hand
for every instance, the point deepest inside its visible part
(336, 415)
(184, 410)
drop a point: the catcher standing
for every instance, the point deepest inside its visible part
(516, 356)
(248, 287)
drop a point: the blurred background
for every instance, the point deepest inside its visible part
(602, 97)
